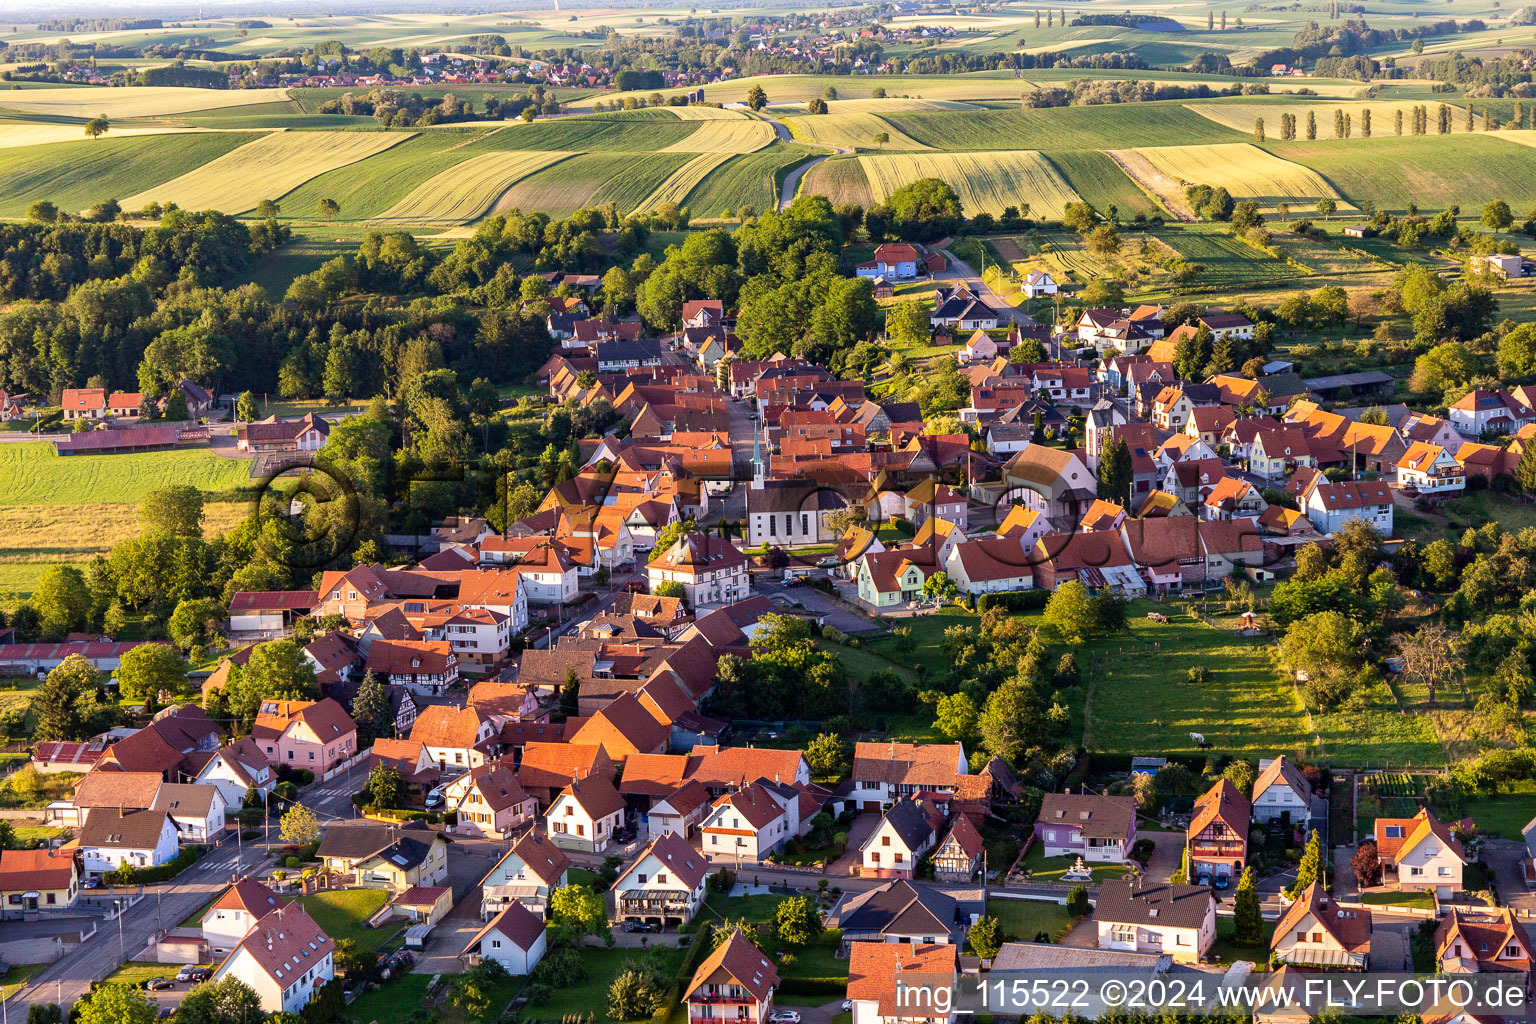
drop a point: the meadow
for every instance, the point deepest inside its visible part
(1246, 172)
(369, 187)
(984, 181)
(467, 191)
(267, 168)
(1432, 172)
(568, 186)
(1120, 125)
(32, 474)
(1100, 181)
(89, 101)
(1229, 262)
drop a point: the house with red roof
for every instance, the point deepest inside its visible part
(33, 880)
(665, 884)
(235, 913)
(734, 983)
(1420, 853)
(490, 802)
(285, 959)
(1217, 838)
(585, 815)
(514, 938)
(1480, 939)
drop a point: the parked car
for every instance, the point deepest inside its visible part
(155, 984)
(202, 973)
(641, 926)
(785, 1017)
(847, 1005)
(187, 973)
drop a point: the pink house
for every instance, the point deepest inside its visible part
(979, 348)
(317, 735)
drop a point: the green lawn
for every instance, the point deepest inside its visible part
(17, 976)
(343, 914)
(395, 1002)
(1051, 869)
(1421, 900)
(591, 995)
(1024, 919)
(27, 833)
(35, 475)
(861, 662)
(137, 972)
(1503, 814)
(1226, 949)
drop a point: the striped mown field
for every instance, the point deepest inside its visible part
(841, 179)
(90, 100)
(985, 182)
(1246, 171)
(699, 112)
(466, 192)
(856, 131)
(268, 168)
(740, 135)
(683, 180)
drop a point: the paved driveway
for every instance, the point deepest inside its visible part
(469, 861)
(813, 600)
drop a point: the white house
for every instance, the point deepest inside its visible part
(234, 914)
(237, 769)
(1156, 917)
(1038, 283)
(1421, 850)
(711, 570)
(514, 938)
(113, 836)
(990, 566)
(665, 885)
(457, 739)
(744, 827)
(908, 830)
(530, 871)
(285, 958)
(1331, 505)
(1431, 470)
(681, 811)
(734, 984)
(1281, 790)
(585, 815)
(548, 573)
(196, 810)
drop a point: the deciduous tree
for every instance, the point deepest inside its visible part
(299, 826)
(148, 670)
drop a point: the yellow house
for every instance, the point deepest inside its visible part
(385, 858)
(33, 880)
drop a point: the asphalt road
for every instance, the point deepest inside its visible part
(959, 270)
(164, 905)
(792, 180)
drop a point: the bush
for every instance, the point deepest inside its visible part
(130, 875)
(814, 986)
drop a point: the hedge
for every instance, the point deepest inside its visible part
(814, 986)
(130, 875)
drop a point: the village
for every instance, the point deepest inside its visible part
(516, 748)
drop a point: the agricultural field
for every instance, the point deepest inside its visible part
(841, 179)
(89, 101)
(572, 184)
(985, 182)
(1432, 172)
(627, 191)
(268, 168)
(76, 175)
(1245, 171)
(1120, 125)
(750, 180)
(683, 180)
(616, 132)
(368, 187)
(1230, 264)
(694, 112)
(855, 131)
(740, 135)
(466, 192)
(1063, 252)
(16, 135)
(1100, 181)
(1239, 114)
(891, 105)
